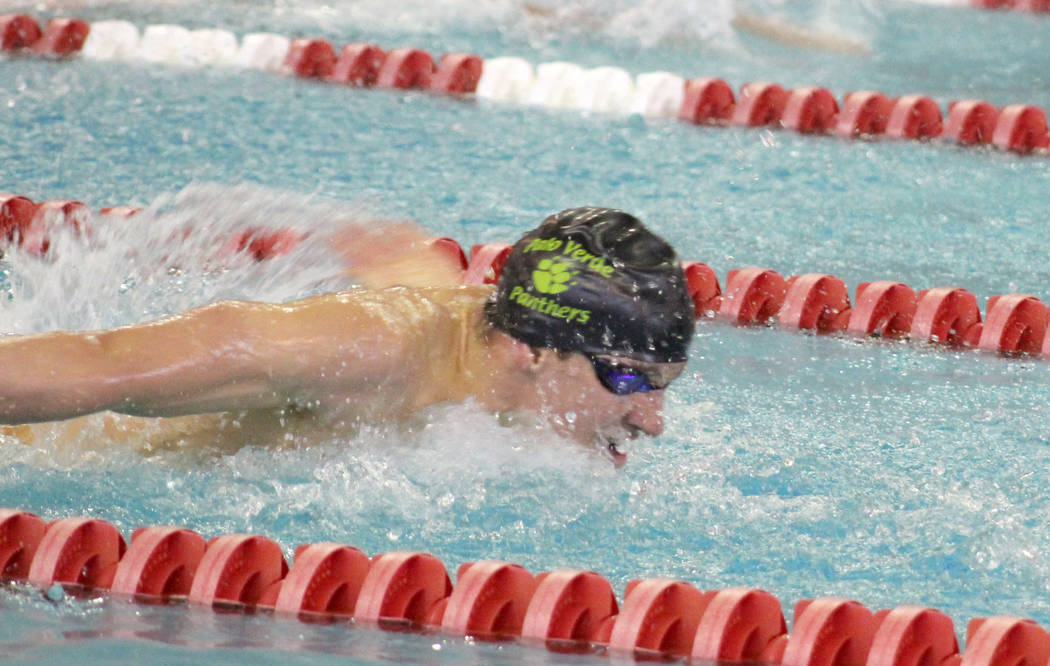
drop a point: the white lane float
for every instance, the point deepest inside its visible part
(605, 90)
(112, 40)
(506, 79)
(213, 47)
(658, 95)
(166, 44)
(262, 50)
(557, 85)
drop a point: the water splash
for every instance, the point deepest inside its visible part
(179, 252)
(636, 24)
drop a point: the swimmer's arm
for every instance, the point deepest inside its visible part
(228, 356)
(390, 254)
(187, 363)
(798, 36)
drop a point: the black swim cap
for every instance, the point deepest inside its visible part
(595, 280)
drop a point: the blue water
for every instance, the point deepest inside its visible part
(890, 473)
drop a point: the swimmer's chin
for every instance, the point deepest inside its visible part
(608, 445)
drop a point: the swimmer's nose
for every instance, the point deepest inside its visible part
(647, 412)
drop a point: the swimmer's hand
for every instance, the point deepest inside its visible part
(385, 254)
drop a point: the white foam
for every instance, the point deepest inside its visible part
(506, 79)
(606, 89)
(171, 256)
(260, 50)
(213, 47)
(658, 94)
(557, 85)
(111, 40)
(167, 44)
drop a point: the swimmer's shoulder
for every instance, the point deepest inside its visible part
(455, 297)
(417, 308)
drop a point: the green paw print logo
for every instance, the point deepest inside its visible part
(552, 278)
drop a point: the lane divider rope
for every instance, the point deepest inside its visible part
(1020, 128)
(566, 610)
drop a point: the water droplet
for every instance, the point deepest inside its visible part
(56, 593)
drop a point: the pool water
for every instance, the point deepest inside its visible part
(887, 472)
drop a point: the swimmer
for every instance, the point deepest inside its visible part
(589, 323)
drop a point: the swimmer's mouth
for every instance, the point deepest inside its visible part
(613, 445)
(612, 449)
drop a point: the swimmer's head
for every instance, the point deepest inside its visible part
(595, 281)
(601, 308)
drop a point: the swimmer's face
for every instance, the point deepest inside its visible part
(580, 406)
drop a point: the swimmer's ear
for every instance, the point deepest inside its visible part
(543, 358)
(528, 358)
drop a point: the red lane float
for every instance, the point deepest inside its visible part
(1021, 128)
(406, 68)
(16, 216)
(62, 37)
(80, 551)
(815, 302)
(18, 31)
(829, 632)
(865, 113)
(752, 295)
(946, 315)
(262, 244)
(403, 586)
(1014, 324)
(358, 65)
(490, 599)
(48, 216)
(1023, 5)
(1032, 5)
(759, 104)
(61, 212)
(971, 121)
(569, 605)
(324, 578)
(914, 117)
(707, 101)
(310, 58)
(741, 624)
(703, 287)
(160, 562)
(1005, 641)
(486, 263)
(237, 568)
(20, 536)
(452, 249)
(883, 308)
(659, 615)
(810, 111)
(457, 74)
(912, 636)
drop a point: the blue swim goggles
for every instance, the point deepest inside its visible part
(622, 379)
